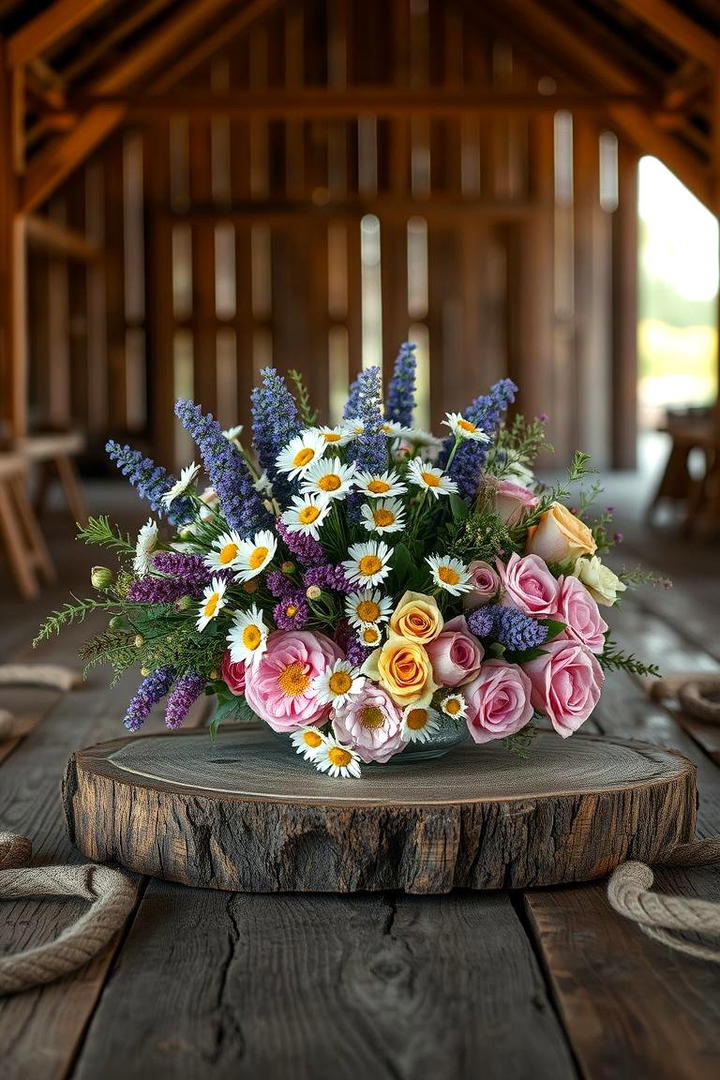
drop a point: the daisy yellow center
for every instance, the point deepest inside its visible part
(448, 575)
(378, 487)
(257, 557)
(430, 479)
(466, 425)
(370, 635)
(329, 482)
(308, 514)
(303, 457)
(332, 436)
(416, 719)
(293, 681)
(369, 565)
(312, 738)
(340, 682)
(368, 611)
(228, 553)
(452, 706)
(372, 717)
(211, 605)
(251, 637)
(339, 757)
(384, 517)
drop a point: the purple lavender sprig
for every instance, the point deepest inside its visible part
(275, 423)
(514, 629)
(328, 577)
(352, 405)
(150, 480)
(400, 404)
(155, 590)
(307, 551)
(187, 690)
(369, 450)
(241, 505)
(485, 412)
(151, 690)
(180, 564)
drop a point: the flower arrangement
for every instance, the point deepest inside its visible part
(362, 587)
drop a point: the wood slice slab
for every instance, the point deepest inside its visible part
(247, 814)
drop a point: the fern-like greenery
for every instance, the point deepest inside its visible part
(613, 658)
(302, 397)
(70, 613)
(98, 530)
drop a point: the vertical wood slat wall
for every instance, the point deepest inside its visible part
(255, 233)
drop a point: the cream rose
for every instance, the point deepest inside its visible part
(559, 535)
(403, 669)
(417, 618)
(599, 580)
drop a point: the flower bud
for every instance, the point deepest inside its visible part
(184, 603)
(214, 675)
(144, 671)
(117, 622)
(313, 592)
(250, 586)
(101, 577)
(288, 568)
(139, 641)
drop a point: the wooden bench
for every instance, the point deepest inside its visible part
(53, 454)
(24, 545)
(700, 496)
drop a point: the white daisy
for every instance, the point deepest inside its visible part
(430, 478)
(338, 683)
(180, 486)
(328, 477)
(225, 553)
(333, 436)
(299, 454)
(307, 741)
(464, 429)
(368, 606)
(263, 486)
(247, 637)
(306, 514)
(370, 635)
(450, 574)
(338, 760)
(380, 485)
(394, 431)
(353, 426)
(454, 705)
(145, 544)
(419, 723)
(233, 434)
(368, 563)
(209, 499)
(383, 515)
(254, 555)
(419, 438)
(212, 603)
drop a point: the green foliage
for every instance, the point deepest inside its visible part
(520, 743)
(70, 613)
(613, 658)
(231, 708)
(302, 399)
(480, 535)
(637, 575)
(519, 443)
(98, 530)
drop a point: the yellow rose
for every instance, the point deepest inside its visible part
(403, 669)
(599, 580)
(417, 617)
(559, 535)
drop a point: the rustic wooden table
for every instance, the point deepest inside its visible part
(544, 983)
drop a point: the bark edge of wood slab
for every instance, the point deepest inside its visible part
(245, 814)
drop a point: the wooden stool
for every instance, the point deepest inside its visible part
(24, 544)
(54, 453)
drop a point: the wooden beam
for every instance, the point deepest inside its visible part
(52, 24)
(208, 46)
(671, 23)
(101, 46)
(53, 236)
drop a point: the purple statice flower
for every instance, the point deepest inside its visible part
(369, 450)
(400, 403)
(279, 584)
(291, 613)
(305, 548)
(275, 423)
(155, 590)
(517, 631)
(328, 577)
(187, 689)
(150, 480)
(485, 412)
(482, 620)
(241, 505)
(154, 687)
(190, 568)
(355, 651)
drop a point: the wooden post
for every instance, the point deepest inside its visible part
(160, 324)
(625, 312)
(13, 298)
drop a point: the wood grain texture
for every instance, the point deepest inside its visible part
(478, 818)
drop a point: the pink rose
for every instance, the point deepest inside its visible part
(486, 584)
(529, 585)
(512, 501)
(279, 686)
(456, 654)
(233, 674)
(498, 701)
(566, 683)
(371, 723)
(580, 613)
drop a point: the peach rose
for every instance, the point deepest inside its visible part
(512, 501)
(559, 535)
(417, 618)
(403, 668)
